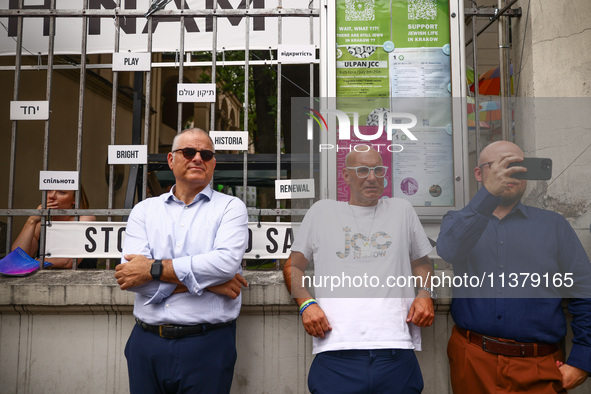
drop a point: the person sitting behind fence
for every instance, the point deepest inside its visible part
(28, 239)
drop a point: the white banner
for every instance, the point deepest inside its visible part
(231, 35)
(105, 240)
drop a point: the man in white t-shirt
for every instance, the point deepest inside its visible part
(365, 319)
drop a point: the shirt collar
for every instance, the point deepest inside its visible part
(206, 193)
(519, 208)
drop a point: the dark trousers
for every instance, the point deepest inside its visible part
(393, 371)
(474, 370)
(194, 364)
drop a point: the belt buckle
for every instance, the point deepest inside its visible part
(484, 339)
(163, 334)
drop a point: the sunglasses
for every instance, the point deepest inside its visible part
(363, 171)
(189, 153)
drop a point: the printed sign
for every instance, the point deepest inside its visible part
(58, 180)
(105, 239)
(294, 188)
(128, 154)
(127, 61)
(29, 110)
(229, 140)
(199, 30)
(296, 53)
(195, 93)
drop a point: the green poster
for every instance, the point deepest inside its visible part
(362, 64)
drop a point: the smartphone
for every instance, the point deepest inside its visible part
(537, 169)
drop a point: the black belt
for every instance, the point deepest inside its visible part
(173, 331)
(515, 349)
(364, 352)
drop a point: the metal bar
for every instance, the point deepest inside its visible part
(148, 98)
(476, 90)
(491, 12)
(246, 84)
(179, 120)
(103, 13)
(279, 77)
(493, 19)
(214, 44)
(311, 103)
(154, 65)
(46, 132)
(125, 212)
(501, 33)
(114, 117)
(17, 80)
(81, 88)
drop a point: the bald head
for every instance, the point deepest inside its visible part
(492, 151)
(353, 157)
(175, 141)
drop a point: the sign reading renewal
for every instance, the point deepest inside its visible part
(199, 30)
(294, 188)
(105, 240)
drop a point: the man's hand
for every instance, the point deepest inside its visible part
(231, 288)
(421, 312)
(571, 376)
(135, 272)
(500, 175)
(315, 321)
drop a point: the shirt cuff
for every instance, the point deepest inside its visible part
(164, 291)
(580, 357)
(183, 270)
(484, 203)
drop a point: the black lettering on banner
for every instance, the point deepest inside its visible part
(249, 247)
(106, 230)
(120, 239)
(288, 240)
(272, 249)
(92, 247)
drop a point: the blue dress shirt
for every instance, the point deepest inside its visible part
(527, 240)
(206, 241)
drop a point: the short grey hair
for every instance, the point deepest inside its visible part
(175, 141)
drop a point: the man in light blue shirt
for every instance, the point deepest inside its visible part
(182, 257)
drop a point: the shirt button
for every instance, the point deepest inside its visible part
(498, 316)
(186, 207)
(178, 245)
(168, 305)
(502, 242)
(501, 266)
(182, 225)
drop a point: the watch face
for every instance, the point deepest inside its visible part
(156, 269)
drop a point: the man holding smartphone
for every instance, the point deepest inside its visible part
(508, 338)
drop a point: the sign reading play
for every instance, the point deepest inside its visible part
(127, 61)
(294, 188)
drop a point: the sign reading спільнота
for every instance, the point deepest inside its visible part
(128, 154)
(58, 180)
(294, 188)
(229, 140)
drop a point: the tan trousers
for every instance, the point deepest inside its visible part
(474, 370)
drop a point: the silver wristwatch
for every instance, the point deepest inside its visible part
(431, 292)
